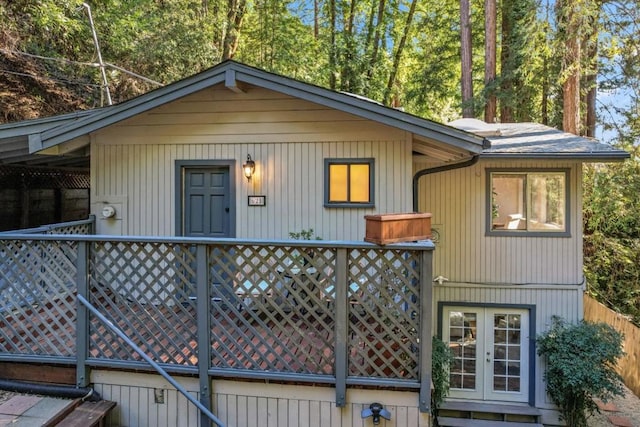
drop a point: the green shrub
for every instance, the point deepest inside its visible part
(303, 235)
(580, 366)
(441, 361)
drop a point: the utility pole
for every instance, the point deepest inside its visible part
(95, 42)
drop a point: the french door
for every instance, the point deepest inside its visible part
(490, 347)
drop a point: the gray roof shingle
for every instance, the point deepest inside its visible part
(534, 140)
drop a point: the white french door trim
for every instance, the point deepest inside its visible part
(511, 367)
(475, 349)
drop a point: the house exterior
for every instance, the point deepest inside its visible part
(505, 201)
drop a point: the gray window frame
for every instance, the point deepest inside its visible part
(350, 161)
(525, 233)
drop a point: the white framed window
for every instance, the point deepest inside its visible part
(349, 183)
(529, 202)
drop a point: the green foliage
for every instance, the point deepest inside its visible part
(349, 45)
(612, 235)
(303, 235)
(581, 363)
(441, 361)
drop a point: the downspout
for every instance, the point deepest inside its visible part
(472, 161)
(50, 390)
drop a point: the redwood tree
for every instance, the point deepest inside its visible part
(466, 61)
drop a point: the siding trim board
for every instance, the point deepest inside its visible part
(532, 333)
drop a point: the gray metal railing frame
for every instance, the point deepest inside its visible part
(204, 369)
(44, 229)
(204, 409)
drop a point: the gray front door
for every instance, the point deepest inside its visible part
(207, 200)
(207, 212)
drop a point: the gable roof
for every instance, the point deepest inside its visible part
(233, 74)
(458, 140)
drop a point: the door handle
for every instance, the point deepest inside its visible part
(226, 210)
(488, 356)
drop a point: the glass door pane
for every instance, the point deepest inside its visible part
(508, 352)
(461, 333)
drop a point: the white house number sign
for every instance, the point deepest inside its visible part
(257, 200)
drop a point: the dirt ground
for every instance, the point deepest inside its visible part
(629, 407)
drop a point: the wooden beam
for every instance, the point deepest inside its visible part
(38, 373)
(232, 84)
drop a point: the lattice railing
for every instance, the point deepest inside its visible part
(270, 310)
(291, 309)
(145, 289)
(384, 303)
(37, 297)
(81, 227)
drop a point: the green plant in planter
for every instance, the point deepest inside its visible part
(580, 366)
(441, 361)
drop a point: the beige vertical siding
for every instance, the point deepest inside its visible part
(289, 140)
(457, 199)
(243, 404)
(565, 301)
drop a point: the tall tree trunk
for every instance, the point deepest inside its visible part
(590, 50)
(570, 17)
(333, 48)
(465, 54)
(316, 19)
(490, 108)
(506, 73)
(398, 55)
(571, 88)
(235, 15)
(373, 60)
(544, 108)
(590, 102)
(349, 71)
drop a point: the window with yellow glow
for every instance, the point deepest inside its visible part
(349, 182)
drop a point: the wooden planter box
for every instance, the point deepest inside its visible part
(392, 228)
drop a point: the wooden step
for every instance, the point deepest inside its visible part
(466, 422)
(491, 408)
(88, 414)
(55, 419)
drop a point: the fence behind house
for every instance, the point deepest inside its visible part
(629, 365)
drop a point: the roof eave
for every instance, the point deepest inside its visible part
(595, 157)
(27, 127)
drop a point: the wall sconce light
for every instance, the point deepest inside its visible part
(249, 167)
